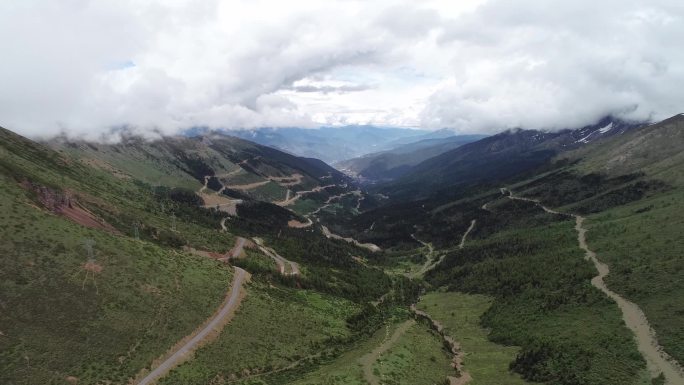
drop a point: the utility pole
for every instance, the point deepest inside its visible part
(91, 267)
(88, 244)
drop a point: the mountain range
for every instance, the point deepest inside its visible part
(498, 156)
(331, 144)
(524, 257)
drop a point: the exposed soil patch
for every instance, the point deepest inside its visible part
(85, 218)
(299, 225)
(66, 204)
(93, 267)
(249, 186)
(287, 181)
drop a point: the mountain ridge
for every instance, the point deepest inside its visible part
(507, 153)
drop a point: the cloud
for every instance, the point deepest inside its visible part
(331, 89)
(535, 66)
(90, 68)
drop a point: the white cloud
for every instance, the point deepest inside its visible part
(86, 67)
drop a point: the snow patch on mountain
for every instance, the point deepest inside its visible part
(606, 128)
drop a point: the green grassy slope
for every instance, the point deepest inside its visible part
(143, 295)
(633, 185)
(56, 320)
(486, 362)
(184, 162)
(568, 331)
(274, 329)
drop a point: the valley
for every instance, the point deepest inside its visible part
(215, 260)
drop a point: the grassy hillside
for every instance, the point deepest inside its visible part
(275, 328)
(185, 162)
(486, 362)
(543, 302)
(496, 158)
(97, 316)
(99, 284)
(633, 185)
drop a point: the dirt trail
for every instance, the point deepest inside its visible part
(249, 186)
(328, 202)
(246, 161)
(429, 263)
(279, 259)
(370, 246)
(451, 343)
(223, 204)
(211, 330)
(291, 200)
(236, 251)
(287, 181)
(358, 202)
(369, 359)
(218, 200)
(465, 235)
(206, 180)
(657, 360)
(225, 176)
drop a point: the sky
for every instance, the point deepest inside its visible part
(92, 68)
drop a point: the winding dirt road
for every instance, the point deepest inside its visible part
(217, 200)
(235, 251)
(279, 259)
(206, 180)
(370, 246)
(212, 328)
(657, 360)
(429, 263)
(291, 200)
(465, 235)
(288, 181)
